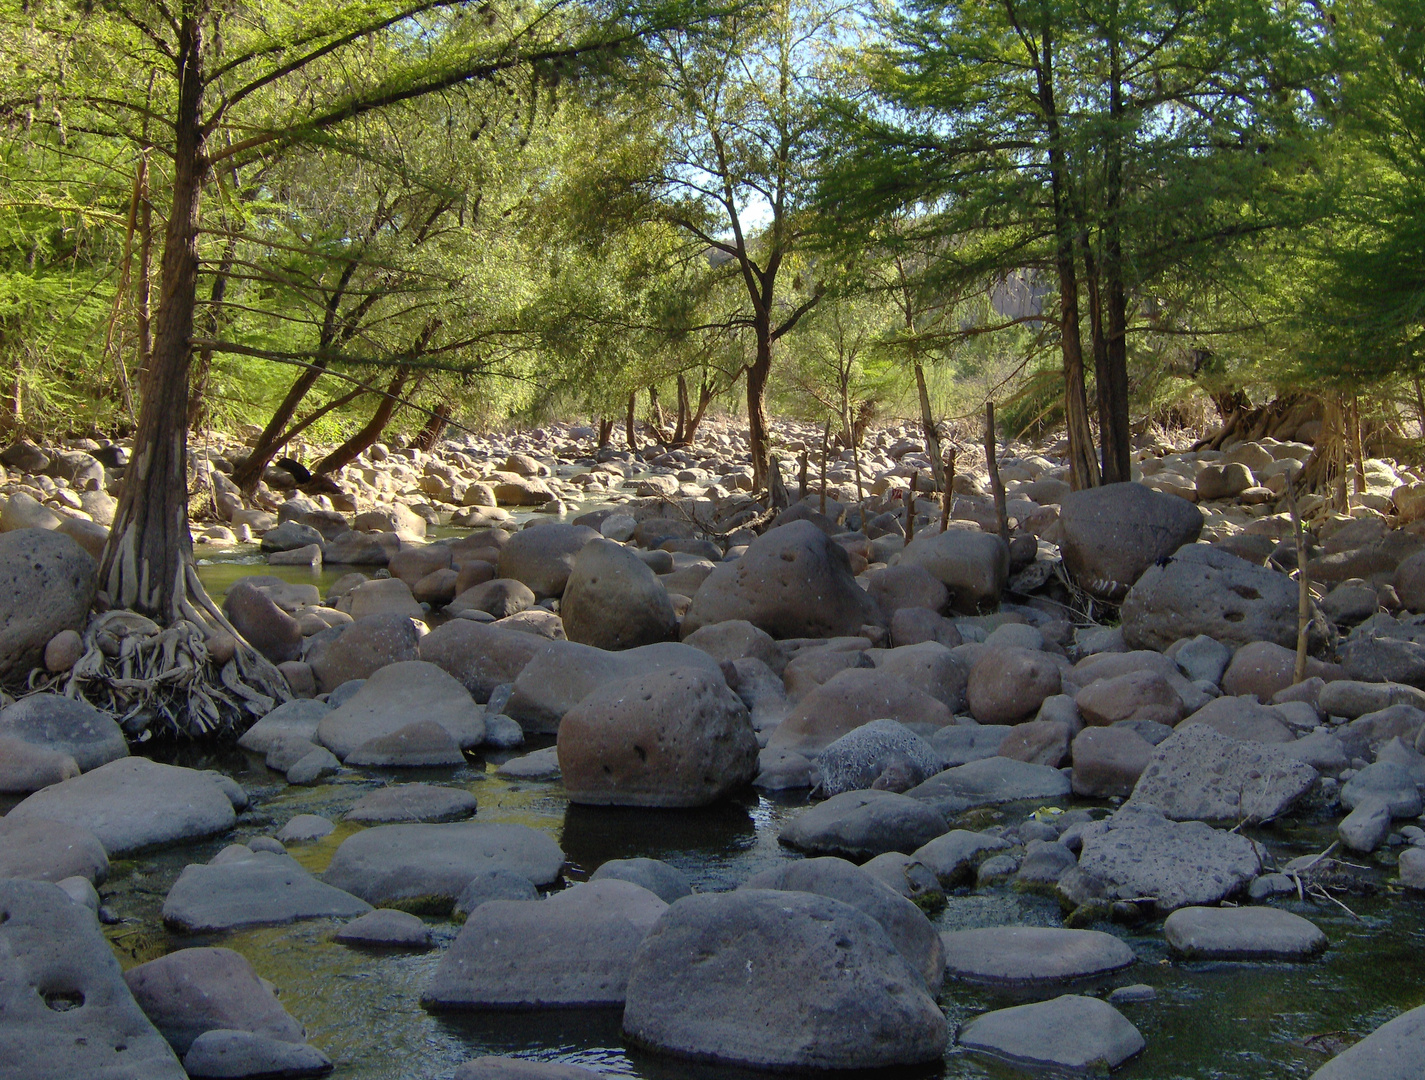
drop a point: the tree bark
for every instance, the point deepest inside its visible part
(705, 397)
(630, 423)
(434, 427)
(606, 431)
(680, 432)
(350, 450)
(927, 425)
(757, 376)
(1114, 424)
(143, 297)
(149, 552)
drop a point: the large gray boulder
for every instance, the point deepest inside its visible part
(793, 581)
(542, 556)
(1018, 956)
(1138, 853)
(67, 725)
(1198, 775)
(1206, 590)
(677, 737)
(1392, 1051)
(779, 980)
(859, 825)
(904, 923)
(614, 601)
(42, 850)
(573, 950)
(396, 696)
(363, 648)
(1111, 534)
(971, 564)
(988, 782)
(426, 867)
(481, 656)
(564, 673)
(1246, 933)
(1070, 1034)
(261, 889)
(135, 804)
(47, 584)
(65, 1011)
(191, 991)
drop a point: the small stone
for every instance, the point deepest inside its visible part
(386, 927)
(503, 732)
(305, 828)
(230, 1055)
(63, 651)
(398, 803)
(313, 766)
(666, 882)
(496, 884)
(1132, 995)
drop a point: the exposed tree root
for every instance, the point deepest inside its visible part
(1278, 419)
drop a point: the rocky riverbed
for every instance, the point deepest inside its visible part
(644, 780)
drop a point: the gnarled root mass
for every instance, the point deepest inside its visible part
(162, 682)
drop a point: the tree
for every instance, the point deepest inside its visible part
(741, 136)
(1103, 144)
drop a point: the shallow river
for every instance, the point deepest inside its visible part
(1210, 1020)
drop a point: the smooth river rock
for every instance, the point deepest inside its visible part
(1392, 1051)
(263, 889)
(1245, 933)
(1030, 955)
(1071, 1033)
(859, 825)
(64, 724)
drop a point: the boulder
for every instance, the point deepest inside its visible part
(264, 625)
(391, 699)
(790, 981)
(498, 597)
(988, 782)
(793, 581)
(1070, 1033)
(47, 585)
(496, 884)
(427, 866)
(1387, 782)
(1110, 535)
(928, 666)
(564, 673)
(25, 767)
(1008, 685)
(1205, 590)
(971, 564)
(226, 1055)
(573, 950)
(954, 856)
(1020, 956)
(191, 991)
(1201, 658)
(383, 596)
(421, 744)
(386, 928)
(363, 648)
(42, 850)
(1199, 774)
(1134, 695)
(676, 737)
(1392, 1051)
(859, 825)
(1242, 718)
(1038, 742)
(481, 656)
(413, 803)
(1246, 933)
(664, 881)
(736, 640)
(542, 556)
(1108, 761)
(64, 1009)
(850, 699)
(290, 720)
(262, 889)
(1138, 853)
(398, 519)
(906, 586)
(904, 923)
(135, 804)
(67, 726)
(913, 625)
(613, 601)
(868, 756)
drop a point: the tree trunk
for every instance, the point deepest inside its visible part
(705, 397)
(630, 423)
(149, 552)
(197, 405)
(655, 415)
(1083, 467)
(1114, 424)
(249, 472)
(606, 431)
(927, 425)
(757, 375)
(434, 427)
(350, 450)
(680, 432)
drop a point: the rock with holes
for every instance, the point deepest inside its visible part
(134, 804)
(677, 737)
(1070, 1033)
(1197, 774)
(65, 1011)
(188, 992)
(47, 584)
(793, 581)
(1140, 855)
(777, 980)
(1206, 590)
(573, 950)
(881, 754)
(260, 889)
(1113, 533)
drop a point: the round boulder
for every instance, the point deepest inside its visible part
(614, 601)
(1112, 534)
(1008, 685)
(47, 584)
